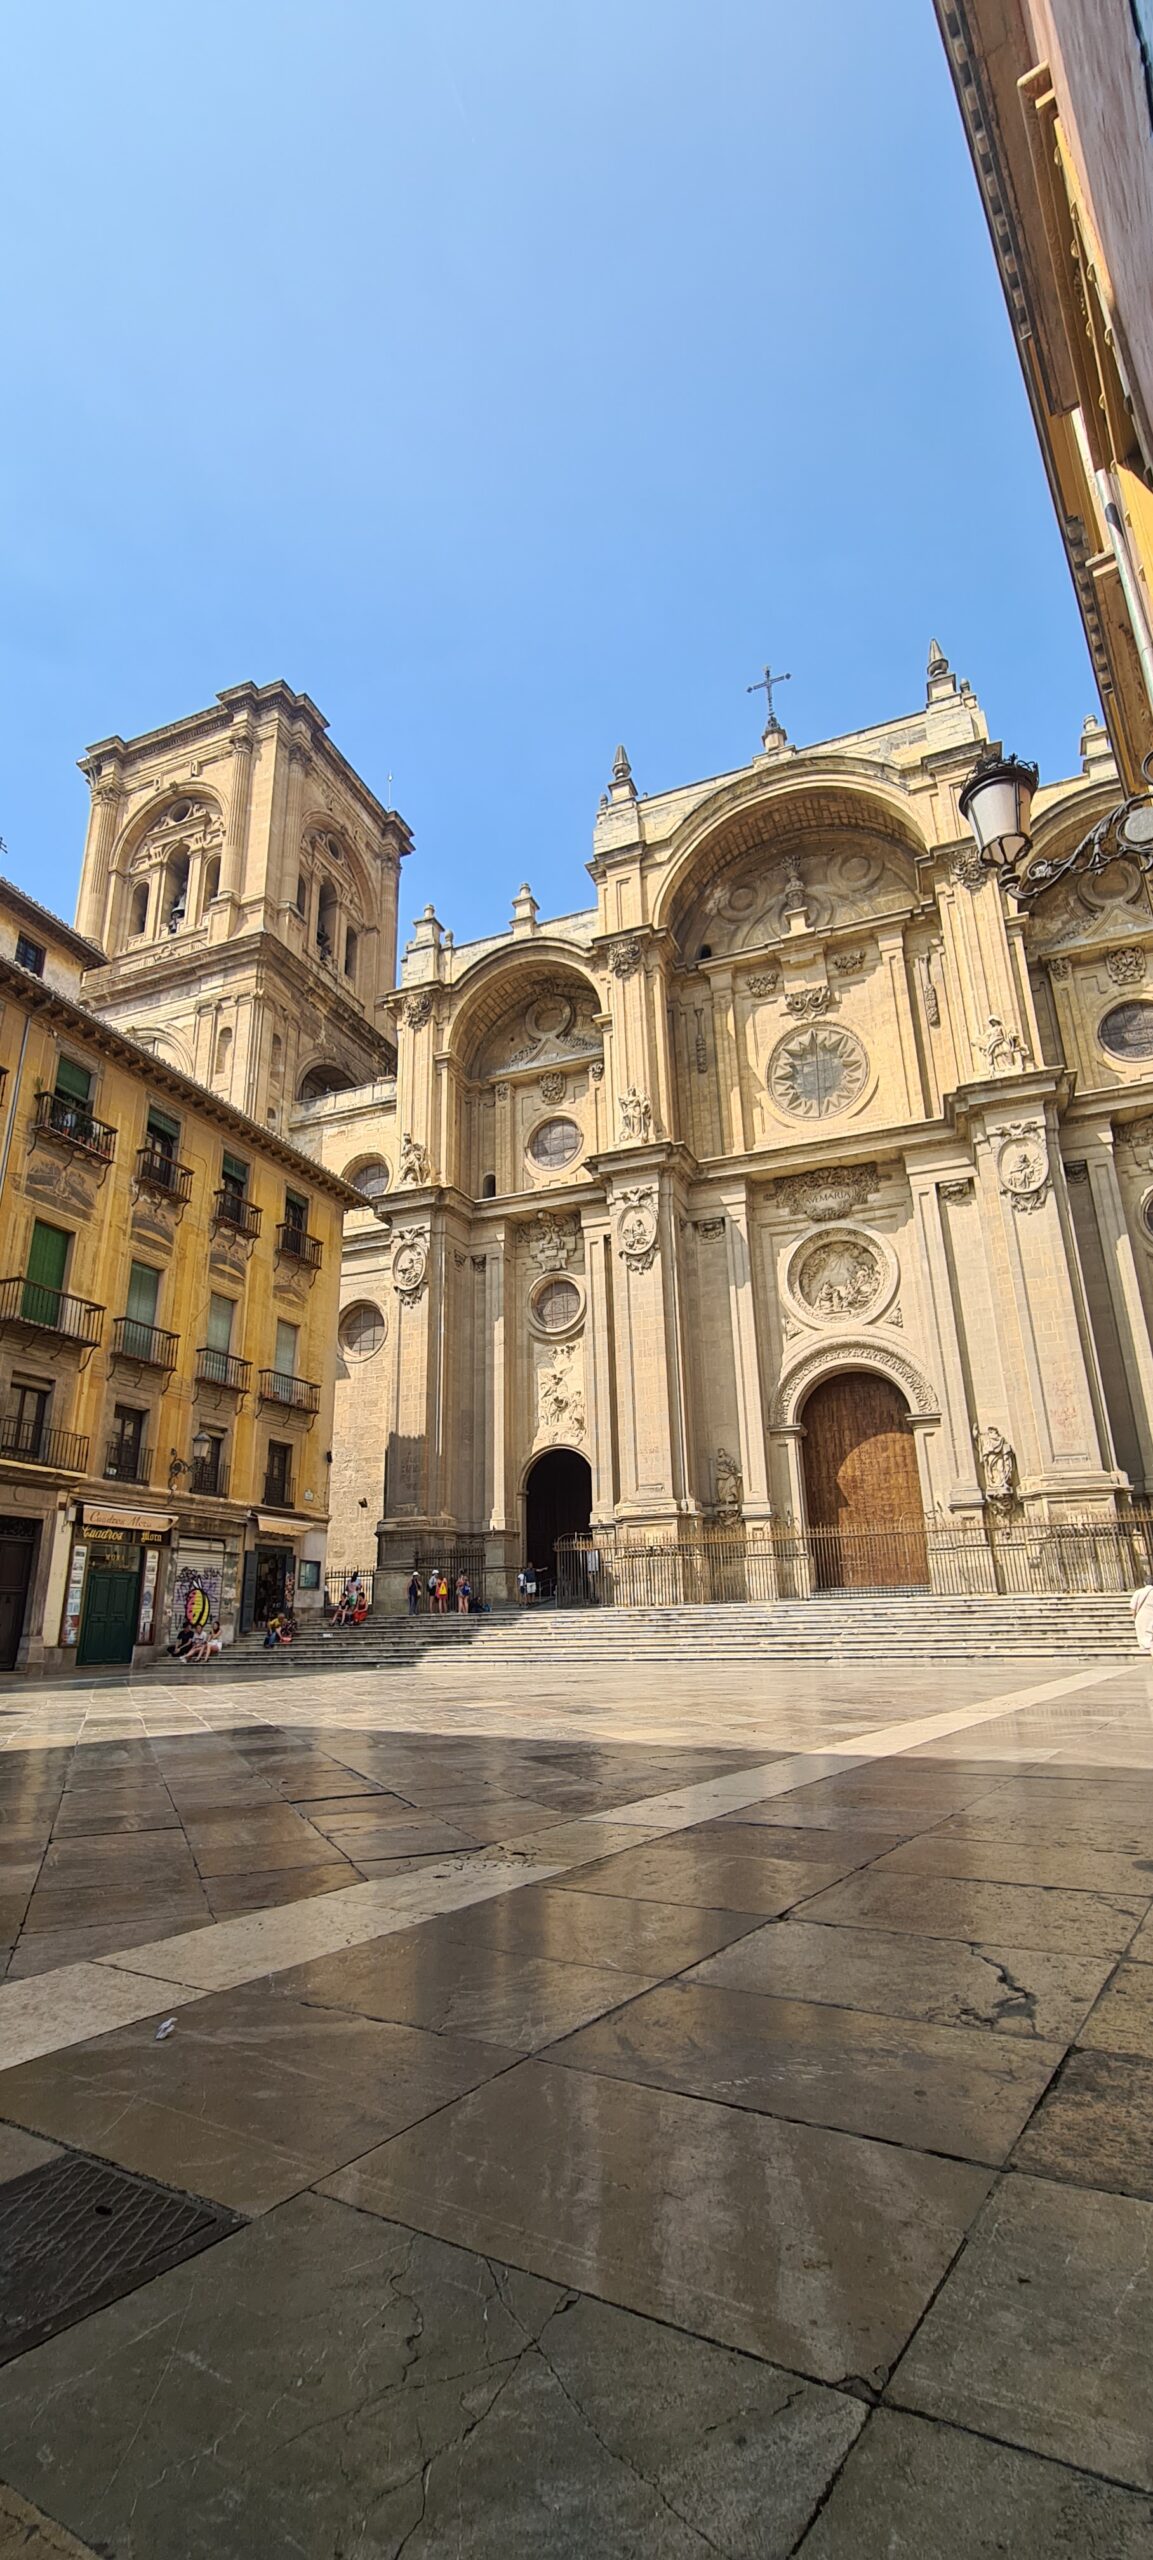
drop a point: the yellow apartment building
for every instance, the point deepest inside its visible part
(169, 1286)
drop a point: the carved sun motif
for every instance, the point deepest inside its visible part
(816, 1073)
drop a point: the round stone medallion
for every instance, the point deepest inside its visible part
(816, 1073)
(839, 1276)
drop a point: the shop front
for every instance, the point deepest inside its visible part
(114, 1570)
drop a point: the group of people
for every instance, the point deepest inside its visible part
(198, 1644)
(437, 1591)
(352, 1607)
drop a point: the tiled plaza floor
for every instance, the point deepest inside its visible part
(649, 2124)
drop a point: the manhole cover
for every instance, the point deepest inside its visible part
(78, 2234)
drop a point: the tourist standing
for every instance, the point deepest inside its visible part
(413, 1593)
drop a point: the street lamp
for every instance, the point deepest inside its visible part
(997, 800)
(201, 1452)
(202, 1447)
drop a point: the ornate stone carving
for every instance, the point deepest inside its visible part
(962, 1189)
(1023, 1163)
(830, 1193)
(709, 1229)
(459, 1258)
(553, 1239)
(597, 1071)
(895, 1316)
(636, 1117)
(845, 962)
(1059, 969)
(500, 1092)
(763, 982)
(1126, 968)
(807, 1001)
(410, 1265)
(867, 1350)
(817, 1073)
(1077, 1171)
(968, 868)
(1004, 1051)
(560, 1392)
(417, 1009)
(553, 1087)
(841, 1276)
(414, 1163)
(996, 1463)
(625, 957)
(728, 1487)
(558, 1024)
(637, 1240)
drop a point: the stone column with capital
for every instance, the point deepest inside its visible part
(646, 1327)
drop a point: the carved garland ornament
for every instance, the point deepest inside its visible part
(811, 1000)
(637, 1240)
(828, 1194)
(864, 1352)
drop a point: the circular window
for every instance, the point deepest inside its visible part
(1126, 1031)
(557, 1304)
(180, 810)
(362, 1330)
(554, 1144)
(372, 1177)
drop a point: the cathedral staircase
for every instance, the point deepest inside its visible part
(845, 1627)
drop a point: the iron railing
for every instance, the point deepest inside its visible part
(128, 1462)
(222, 1369)
(336, 1581)
(58, 1116)
(160, 1172)
(30, 1302)
(299, 1245)
(451, 1556)
(209, 1475)
(132, 1340)
(1002, 1554)
(24, 1437)
(279, 1492)
(233, 1209)
(279, 1386)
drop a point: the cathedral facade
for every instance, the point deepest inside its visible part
(799, 1179)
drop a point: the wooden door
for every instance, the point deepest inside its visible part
(863, 1490)
(108, 1632)
(17, 1548)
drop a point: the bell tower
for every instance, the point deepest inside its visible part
(243, 882)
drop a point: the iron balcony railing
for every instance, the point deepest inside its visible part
(222, 1369)
(159, 1172)
(279, 1492)
(128, 1462)
(232, 1209)
(58, 1116)
(1002, 1554)
(132, 1340)
(209, 1475)
(277, 1387)
(297, 1242)
(66, 1451)
(29, 1302)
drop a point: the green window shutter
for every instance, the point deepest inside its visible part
(287, 1336)
(221, 1312)
(48, 1255)
(234, 1173)
(73, 1080)
(143, 1291)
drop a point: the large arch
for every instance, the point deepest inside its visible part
(857, 1351)
(498, 986)
(558, 1492)
(771, 818)
(864, 1507)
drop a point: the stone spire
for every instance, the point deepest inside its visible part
(940, 681)
(622, 786)
(524, 910)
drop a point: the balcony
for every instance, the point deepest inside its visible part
(279, 1492)
(65, 1451)
(277, 1387)
(220, 1369)
(58, 1116)
(157, 1172)
(126, 1463)
(144, 1343)
(232, 1210)
(299, 1246)
(209, 1475)
(28, 1303)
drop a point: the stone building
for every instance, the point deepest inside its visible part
(1057, 102)
(169, 1284)
(801, 1177)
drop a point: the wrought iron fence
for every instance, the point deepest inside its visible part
(337, 1578)
(451, 1557)
(1001, 1555)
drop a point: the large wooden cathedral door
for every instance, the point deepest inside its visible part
(862, 1486)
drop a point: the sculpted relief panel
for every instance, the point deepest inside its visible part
(817, 1073)
(826, 884)
(557, 1023)
(839, 1276)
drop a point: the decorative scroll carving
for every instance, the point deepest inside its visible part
(962, 1189)
(1126, 968)
(845, 962)
(414, 1160)
(637, 1228)
(763, 982)
(968, 868)
(709, 1229)
(1059, 969)
(830, 1193)
(410, 1265)
(807, 1001)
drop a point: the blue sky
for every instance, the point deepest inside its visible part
(512, 380)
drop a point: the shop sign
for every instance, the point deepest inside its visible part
(70, 1624)
(128, 1539)
(141, 1524)
(148, 1595)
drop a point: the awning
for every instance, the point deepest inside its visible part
(94, 1519)
(289, 1530)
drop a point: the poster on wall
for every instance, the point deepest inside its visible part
(70, 1623)
(148, 1595)
(196, 1592)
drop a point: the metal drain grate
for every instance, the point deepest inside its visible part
(77, 2234)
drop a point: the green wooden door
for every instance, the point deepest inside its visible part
(108, 1627)
(47, 1264)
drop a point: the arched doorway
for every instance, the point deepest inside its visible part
(862, 1486)
(558, 1501)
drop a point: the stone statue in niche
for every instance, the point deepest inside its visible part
(414, 1164)
(636, 1117)
(729, 1487)
(996, 1463)
(839, 1277)
(1004, 1051)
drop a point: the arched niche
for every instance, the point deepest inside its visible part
(540, 1014)
(829, 853)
